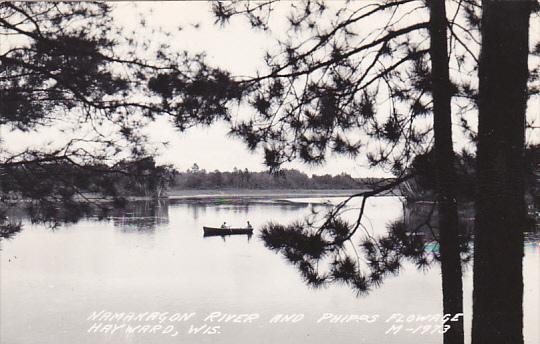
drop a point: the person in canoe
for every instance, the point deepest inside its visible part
(224, 225)
(249, 226)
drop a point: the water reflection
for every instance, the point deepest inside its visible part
(146, 216)
(8, 229)
(11, 222)
(224, 238)
(197, 210)
(61, 276)
(141, 216)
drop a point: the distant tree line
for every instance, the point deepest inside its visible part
(197, 178)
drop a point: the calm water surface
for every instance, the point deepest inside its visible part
(156, 260)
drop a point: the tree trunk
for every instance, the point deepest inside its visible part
(452, 286)
(500, 206)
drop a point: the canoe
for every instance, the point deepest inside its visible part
(208, 231)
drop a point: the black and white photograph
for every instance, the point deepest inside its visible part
(270, 172)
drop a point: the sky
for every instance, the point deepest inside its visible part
(238, 49)
(235, 47)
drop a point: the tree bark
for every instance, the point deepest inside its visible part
(452, 286)
(500, 206)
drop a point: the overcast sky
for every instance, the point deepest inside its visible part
(238, 49)
(234, 47)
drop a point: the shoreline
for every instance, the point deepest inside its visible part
(258, 194)
(239, 196)
(242, 196)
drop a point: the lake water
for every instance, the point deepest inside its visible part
(155, 259)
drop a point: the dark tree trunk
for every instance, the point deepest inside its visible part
(452, 286)
(500, 207)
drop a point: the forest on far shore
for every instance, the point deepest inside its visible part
(198, 178)
(145, 177)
